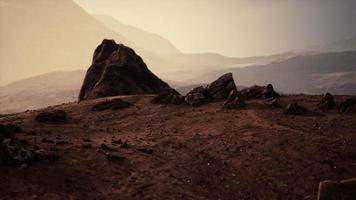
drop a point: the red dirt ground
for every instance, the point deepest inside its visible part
(198, 153)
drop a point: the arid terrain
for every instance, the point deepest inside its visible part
(184, 152)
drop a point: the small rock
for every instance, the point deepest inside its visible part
(113, 156)
(86, 146)
(145, 150)
(51, 116)
(221, 88)
(234, 101)
(42, 154)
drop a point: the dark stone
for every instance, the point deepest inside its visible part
(348, 105)
(337, 190)
(233, 101)
(221, 88)
(113, 156)
(259, 92)
(8, 131)
(295, 109)
(51, 116)
(86, 146)
(118, 70)
(327, 102)
(273, 103)
(45, 155)
(112, 104)
(145, 150)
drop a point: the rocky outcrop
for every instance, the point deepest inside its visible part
(233, 101)
(327, 102)
(295, 109)
(117, 70)
(51, 116)
(221, 88)
(112, 104)
(259, 92)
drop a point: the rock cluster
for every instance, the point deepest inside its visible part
(217, 90)
(259, 92)
(117, 70)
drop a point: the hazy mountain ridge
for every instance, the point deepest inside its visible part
(315, 73)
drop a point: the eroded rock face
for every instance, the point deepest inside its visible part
(233, 101)
(118, 70)
(259, 92)
(221, 88)
(327, 102)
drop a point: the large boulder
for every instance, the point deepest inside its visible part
(327, 102)
(117, 70)
(337, 190)
(221, 88)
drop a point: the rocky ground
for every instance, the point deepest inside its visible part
(152, 151)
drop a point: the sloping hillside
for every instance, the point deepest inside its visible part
(182, 152)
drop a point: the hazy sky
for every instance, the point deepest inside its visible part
(236, 27)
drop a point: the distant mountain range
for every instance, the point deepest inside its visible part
(311, 73)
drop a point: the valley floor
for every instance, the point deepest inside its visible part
(182, 152)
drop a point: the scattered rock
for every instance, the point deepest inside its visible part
(327, 102)
(117, 70)
(114, 156)
(221, 88)
(168, 97)
(119, 141)
(145, 150)
(295, 109)
(51, 116)
(61, 142)
(86, 146)
(348, 105)
(233, 101)
(259, 92)
(124, 145)
(113, 104)
(104, 147)
(334, 190)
